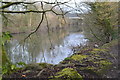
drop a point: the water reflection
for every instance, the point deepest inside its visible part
(51, 48)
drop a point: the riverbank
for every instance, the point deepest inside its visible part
(90, 63)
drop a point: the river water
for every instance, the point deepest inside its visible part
(43, 47)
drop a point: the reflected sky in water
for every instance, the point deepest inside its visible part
(39, 48)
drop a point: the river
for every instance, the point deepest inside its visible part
(43, 47)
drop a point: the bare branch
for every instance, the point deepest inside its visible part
(62, 12)
(37, 26)
(8, 4)
(25, 11)
(43, 12)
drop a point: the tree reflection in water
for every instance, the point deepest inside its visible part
(38, 48)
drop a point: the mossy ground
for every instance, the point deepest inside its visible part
(97, 60)
(69, 73)
(78, 57)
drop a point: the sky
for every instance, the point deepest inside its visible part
(84, 0)
(69, 0)
(72, 3)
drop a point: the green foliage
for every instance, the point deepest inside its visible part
(6, 69)
(68, 73)
(7, 66)
(68, 58)
(5, 59)
(5, 37)
(21, 64)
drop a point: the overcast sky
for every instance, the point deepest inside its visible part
(69, 0)
(83, 0)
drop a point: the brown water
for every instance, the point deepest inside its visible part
(42, 47)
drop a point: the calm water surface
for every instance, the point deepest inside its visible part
(43, 47)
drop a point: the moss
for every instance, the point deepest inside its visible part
(95, 58)
(68, 73)
(85, 48)
(44, 65)
(78, 57)
(101, 65)
(102, 50)
(32, 66)
(96, 51)
(68, 58)
(36, 66)
(97, 55)
(104, 63)
(89, 67)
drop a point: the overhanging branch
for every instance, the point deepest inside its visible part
(8, 4)
(43, 12)
(25, 11)
(37, 27)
